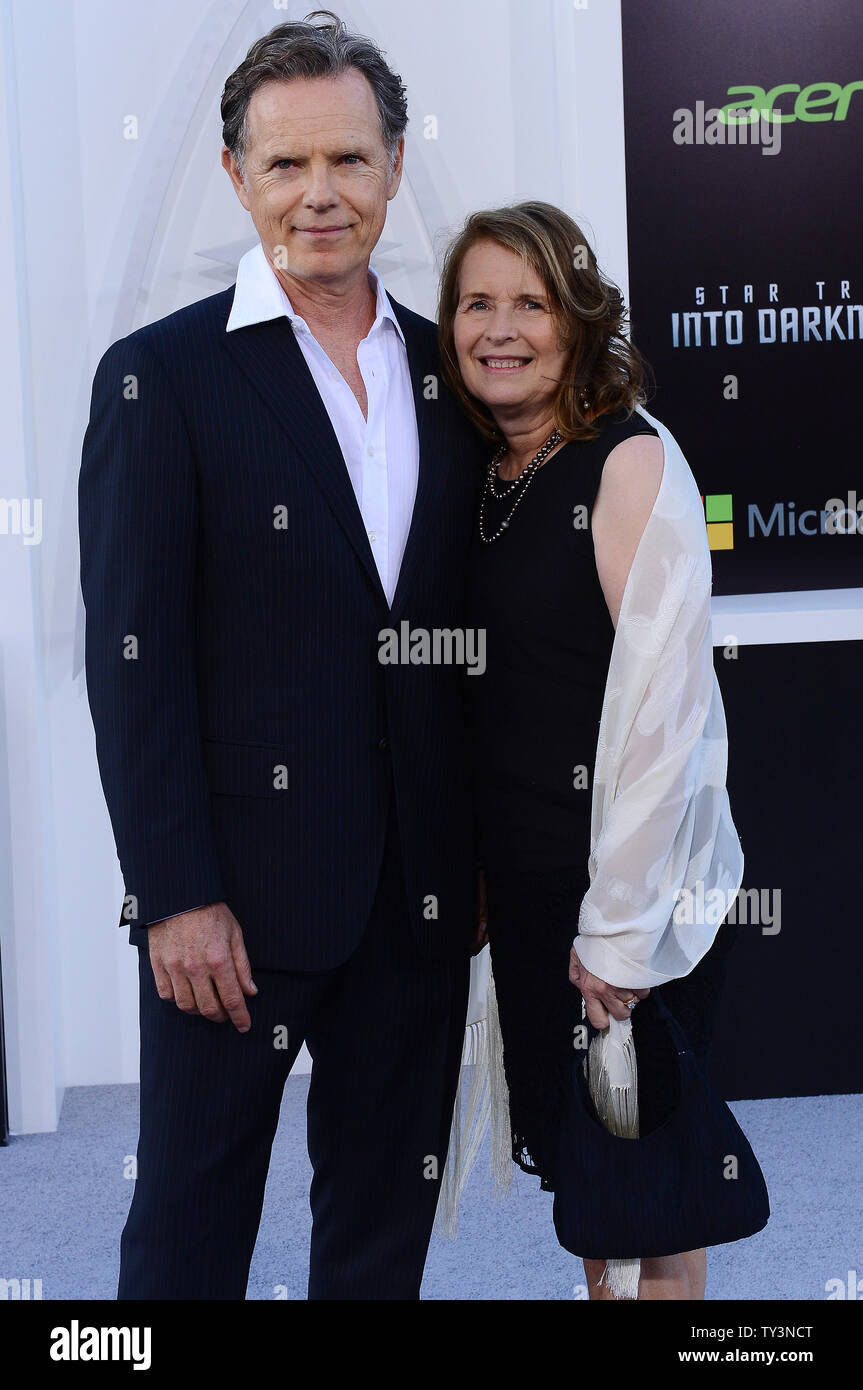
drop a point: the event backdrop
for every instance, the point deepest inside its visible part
(789, 1022)
(745, 271)
(745, 281)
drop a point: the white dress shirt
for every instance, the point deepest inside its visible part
(381, 453)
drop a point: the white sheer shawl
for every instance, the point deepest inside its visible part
(665, 859)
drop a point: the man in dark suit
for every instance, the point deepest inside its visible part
(272, 478)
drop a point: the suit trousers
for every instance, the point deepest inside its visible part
(385, 1031)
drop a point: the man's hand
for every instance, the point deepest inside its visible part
(481, 915)
(199, 960)
(601, 999)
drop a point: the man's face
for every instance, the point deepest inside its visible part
(317, 181)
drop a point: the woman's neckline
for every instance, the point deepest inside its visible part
(556, 453)
(606, 419)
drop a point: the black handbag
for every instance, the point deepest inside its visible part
(691, 1182)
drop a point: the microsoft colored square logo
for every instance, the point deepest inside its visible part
(717, 514)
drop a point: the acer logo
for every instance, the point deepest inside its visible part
(810, 103)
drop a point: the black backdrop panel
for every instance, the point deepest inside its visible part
(704, 216)
(791, 1022)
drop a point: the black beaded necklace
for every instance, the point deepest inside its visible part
(521, 481)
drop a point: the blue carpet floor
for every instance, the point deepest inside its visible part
(64, 1197)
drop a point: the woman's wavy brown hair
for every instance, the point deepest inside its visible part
(605, 372)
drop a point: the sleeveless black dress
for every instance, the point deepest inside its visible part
(536, 710)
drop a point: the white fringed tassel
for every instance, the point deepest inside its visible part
(487, 1105)
(621, 1277)
(501, 1132)
(470, 1122)
(612, 1078)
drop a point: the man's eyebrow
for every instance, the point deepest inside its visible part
(357, 147)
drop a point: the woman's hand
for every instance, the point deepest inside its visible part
(601, 999)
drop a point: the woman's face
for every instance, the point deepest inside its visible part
(506, 338)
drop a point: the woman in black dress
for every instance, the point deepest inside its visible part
(531, 338)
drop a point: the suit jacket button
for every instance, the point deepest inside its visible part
(383, 744)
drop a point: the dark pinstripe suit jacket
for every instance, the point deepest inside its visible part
(246, 732)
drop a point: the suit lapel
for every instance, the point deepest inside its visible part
(424, 366)
(270, 356)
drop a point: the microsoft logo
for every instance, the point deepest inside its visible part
(717, 514)
(784, 520)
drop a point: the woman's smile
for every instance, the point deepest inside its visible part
(504, 364)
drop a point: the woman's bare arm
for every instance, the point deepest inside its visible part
(627, 492)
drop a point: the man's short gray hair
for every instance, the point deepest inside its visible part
(305, 49)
